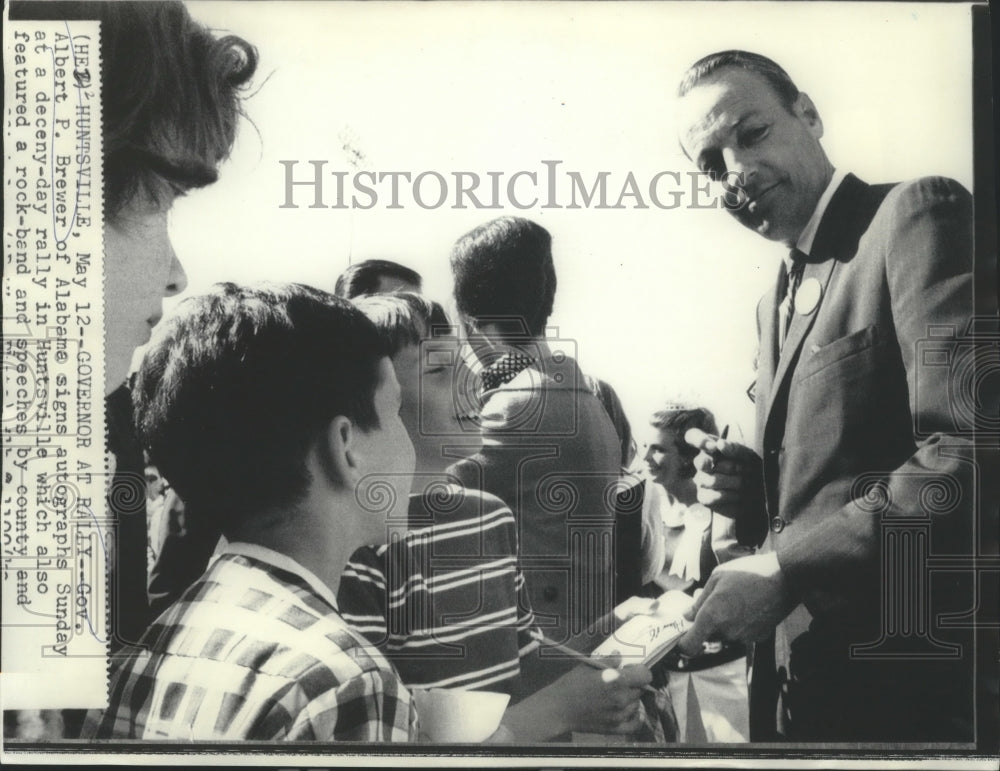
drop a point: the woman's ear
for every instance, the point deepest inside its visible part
(337, 452)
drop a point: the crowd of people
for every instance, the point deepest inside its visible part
(359, 498)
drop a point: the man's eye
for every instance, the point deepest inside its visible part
(753, 136)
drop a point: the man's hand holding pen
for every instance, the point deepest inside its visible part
(729, 476)
(746, 598)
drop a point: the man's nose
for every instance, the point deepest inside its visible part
(177, 280)
(742, 162)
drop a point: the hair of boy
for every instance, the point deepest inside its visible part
(504, 269)
(237, 386)
(363, 278)
(404, 318)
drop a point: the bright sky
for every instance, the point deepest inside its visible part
(660, 303)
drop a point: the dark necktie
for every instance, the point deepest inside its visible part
(798, 259)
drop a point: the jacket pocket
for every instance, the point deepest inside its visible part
(817, 359)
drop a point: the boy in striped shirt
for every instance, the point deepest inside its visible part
(444, 598)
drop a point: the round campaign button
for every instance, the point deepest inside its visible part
(807, 296)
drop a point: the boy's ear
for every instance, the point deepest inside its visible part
(337, 451)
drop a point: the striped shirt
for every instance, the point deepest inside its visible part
(445, 600)
(255, 649)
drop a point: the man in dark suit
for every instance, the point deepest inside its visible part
(856, 475)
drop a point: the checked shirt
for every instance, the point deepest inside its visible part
(256, 649)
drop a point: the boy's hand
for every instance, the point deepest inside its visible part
(584, 699)
(604, 701)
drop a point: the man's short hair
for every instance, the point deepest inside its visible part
(235, 388)
(403, 318)
(364, 277)
(678, 419)
(504, 269)
(170, 95)
(768, 69)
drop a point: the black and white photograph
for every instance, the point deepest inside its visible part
(500, 383)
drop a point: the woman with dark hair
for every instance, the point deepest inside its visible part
(171, 102)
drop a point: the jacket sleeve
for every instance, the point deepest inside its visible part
(926, 244)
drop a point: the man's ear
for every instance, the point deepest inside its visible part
(805, 110)
(337, 448)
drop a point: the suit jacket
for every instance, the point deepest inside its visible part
(608, 397)
(863, 474)
(551, 453)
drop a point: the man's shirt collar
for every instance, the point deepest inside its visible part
(808, 234)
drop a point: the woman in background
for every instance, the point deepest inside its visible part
(708, 692)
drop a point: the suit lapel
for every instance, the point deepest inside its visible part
(801, 324)
(767, 353)
(847, 217)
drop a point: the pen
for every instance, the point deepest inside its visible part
(582, 657)
(716, 455)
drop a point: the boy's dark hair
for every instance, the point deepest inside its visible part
(404, 318)
(236, 387)
(170, 95)
(504, 269)
(363, 277)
